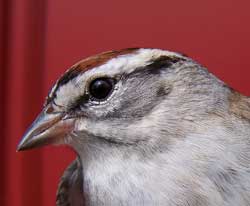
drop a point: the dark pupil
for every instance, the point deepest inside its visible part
(100, 88)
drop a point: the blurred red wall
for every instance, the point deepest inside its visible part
(40, 39)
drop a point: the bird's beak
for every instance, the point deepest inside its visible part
(48, 128)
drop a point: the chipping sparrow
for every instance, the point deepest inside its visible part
(150, 127)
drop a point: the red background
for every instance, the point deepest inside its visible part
(39, 39)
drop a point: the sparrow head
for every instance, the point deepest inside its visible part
(131, 97)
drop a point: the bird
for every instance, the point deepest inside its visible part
(149, 127)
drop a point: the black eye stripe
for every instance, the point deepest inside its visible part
(80, 101)
(158, 64)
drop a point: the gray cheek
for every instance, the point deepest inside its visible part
(139, 98)
(117, 124)
(133, 99)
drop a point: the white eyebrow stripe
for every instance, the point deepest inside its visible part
(127, 63)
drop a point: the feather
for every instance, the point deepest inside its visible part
(70, 189)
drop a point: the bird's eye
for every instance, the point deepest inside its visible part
(101, 88)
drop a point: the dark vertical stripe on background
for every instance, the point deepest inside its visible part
(34, 62)
(4, 51)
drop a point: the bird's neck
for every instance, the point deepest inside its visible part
(115, 176)
(112, 176)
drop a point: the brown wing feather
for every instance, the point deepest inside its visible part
(70, 188)
(240, 105)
